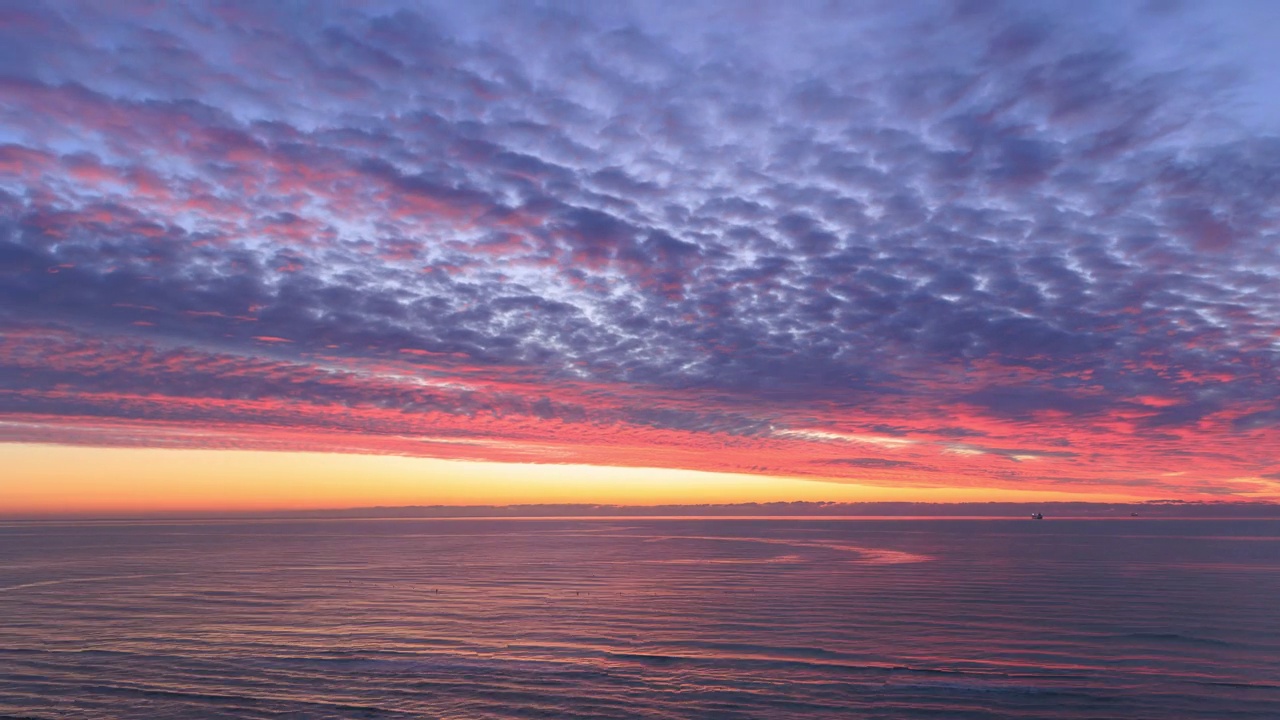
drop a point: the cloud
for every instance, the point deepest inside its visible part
(877, 463)
(954, 220)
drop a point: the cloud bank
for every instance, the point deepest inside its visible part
(960, 244)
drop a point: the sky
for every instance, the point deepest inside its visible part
(302, 254)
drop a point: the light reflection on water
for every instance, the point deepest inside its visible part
(638, 617)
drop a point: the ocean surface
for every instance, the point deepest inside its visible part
(642, 618)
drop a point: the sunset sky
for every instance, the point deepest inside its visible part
(304, 254)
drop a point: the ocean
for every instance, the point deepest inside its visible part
(897, 618)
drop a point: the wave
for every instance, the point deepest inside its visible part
(867, 555)
(697, 619)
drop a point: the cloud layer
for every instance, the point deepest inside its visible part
(971, 244)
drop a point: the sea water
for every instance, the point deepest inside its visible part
(641, 618)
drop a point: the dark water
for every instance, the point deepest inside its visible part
(678, 618)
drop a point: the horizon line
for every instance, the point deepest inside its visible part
(799, 508)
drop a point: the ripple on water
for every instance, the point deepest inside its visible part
(647, 619)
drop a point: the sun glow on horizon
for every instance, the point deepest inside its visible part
(61, 479)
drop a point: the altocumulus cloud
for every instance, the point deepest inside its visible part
(814, 240)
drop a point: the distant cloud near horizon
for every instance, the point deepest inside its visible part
(963, 244)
